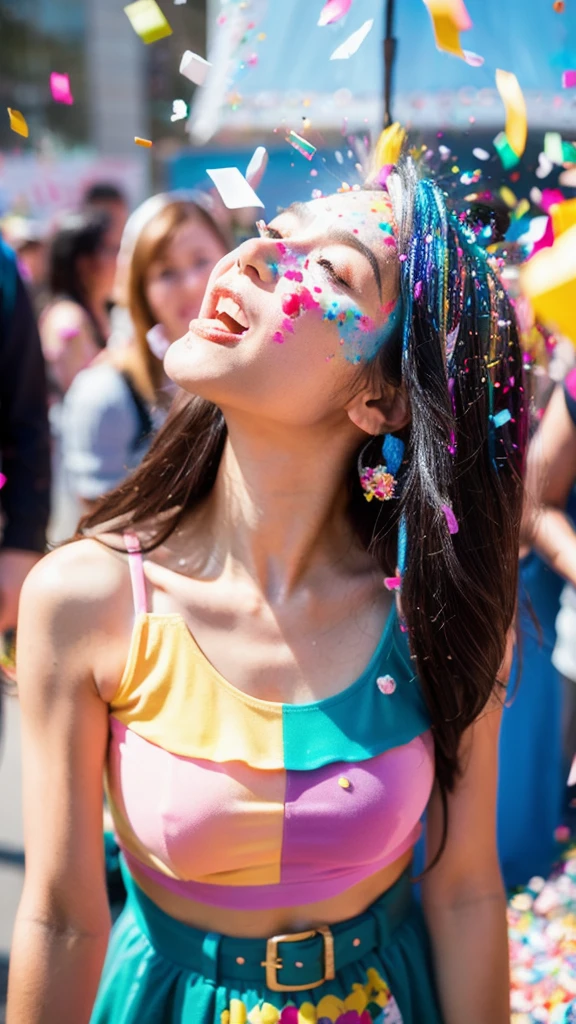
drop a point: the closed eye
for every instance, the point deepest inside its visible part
(265, 231)
(329, 267)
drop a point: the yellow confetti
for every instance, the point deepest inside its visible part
(563, 216)
(387, 149)
(508, 197)
(142, 142)
(147, 20)
(18, 122)
(549, 282)
(516, 123)
(449, 19)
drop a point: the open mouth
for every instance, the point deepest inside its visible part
(231, 315)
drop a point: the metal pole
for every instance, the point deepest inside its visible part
(389, 55)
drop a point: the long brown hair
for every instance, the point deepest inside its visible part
(457, 352)
(144, 368)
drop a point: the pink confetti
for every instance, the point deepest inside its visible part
(332, 11)
(568, 79)
(450, 519)
(60, 88)
(2, 480)
(393, 582)
(386, 684)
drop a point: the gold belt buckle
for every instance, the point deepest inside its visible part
(273, 963)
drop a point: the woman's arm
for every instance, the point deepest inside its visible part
(62, 925)
(550, 479)
(463, 895)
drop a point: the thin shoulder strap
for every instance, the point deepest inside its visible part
(136, 565)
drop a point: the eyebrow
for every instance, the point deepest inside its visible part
(303, 212)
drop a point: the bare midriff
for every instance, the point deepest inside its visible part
(252, 924)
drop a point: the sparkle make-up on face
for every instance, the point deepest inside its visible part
(311, 283)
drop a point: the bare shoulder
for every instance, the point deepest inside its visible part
(76, 610)
(64, 314)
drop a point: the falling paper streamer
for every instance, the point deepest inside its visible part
(553, 148)
(236, 193)
(147, 20)
(350, 46)
(257, 165)
(18, 122)
(233, 43)
(549, 281)
(451, 520)
(60, 88)
(449, 19)
(515, 105)
(333, 10)
(194, 67)
(508, 156)
(302, 145)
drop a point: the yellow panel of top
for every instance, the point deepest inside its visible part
(148, 21)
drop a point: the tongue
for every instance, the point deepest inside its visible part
(230, 323)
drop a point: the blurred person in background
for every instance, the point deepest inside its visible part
(24, 443)
(28, 238)
(75, 326)
(549, 523)
(113, 409)
(106, 197)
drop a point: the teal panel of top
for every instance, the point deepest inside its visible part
(362, 721)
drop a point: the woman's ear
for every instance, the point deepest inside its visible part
(383, 413)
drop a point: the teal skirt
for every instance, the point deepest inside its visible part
(160, 971)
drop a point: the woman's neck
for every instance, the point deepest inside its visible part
(278, 508)
(98, 311)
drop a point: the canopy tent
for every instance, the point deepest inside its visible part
(292, 74)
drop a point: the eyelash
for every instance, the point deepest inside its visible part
(328, 266)
(266, 231)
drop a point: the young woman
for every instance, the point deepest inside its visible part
(273, 725)
(113, 408)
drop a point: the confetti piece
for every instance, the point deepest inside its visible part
(392, 582)
(563, 216)
(558, 6)
(516, 124)
(568, 152)
(236, 193)
(549, 281)
(147, 20)
(60, 88)
(449, 19)
(508, 156)
(179, 110)
(568, 79)
(349, 47)
(451, 520)
(473, 59)
(142, 142)
(545, 165)
(332, 11)
(553, 147)
(257, 164)
(302, 145)
(18, 122)
(178, 2)
(194, 67)
(2, 480)
(508, 196)
(481, 154)
(502, 417)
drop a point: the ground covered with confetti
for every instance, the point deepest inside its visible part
(542, 930)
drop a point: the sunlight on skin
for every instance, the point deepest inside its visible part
(306, 287)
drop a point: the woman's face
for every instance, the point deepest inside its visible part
(290, 318)
(176, 282)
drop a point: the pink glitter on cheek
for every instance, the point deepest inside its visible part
(295, 303)
(278, 337)
(293, 275)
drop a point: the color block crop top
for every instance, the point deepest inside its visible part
(243, 803)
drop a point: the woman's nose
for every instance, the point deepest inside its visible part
(257, 256)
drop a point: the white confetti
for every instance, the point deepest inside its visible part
(481, 154)
(235, 192)
(349, 47)
(536, 196)
(194, 67)
(257, 164)
(179, 110)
